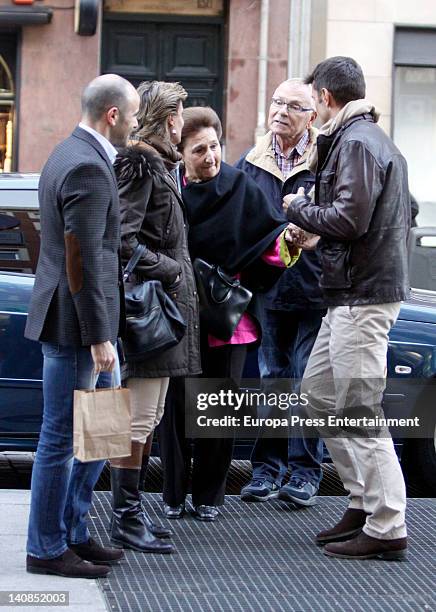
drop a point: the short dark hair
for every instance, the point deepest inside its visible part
(197, 118)
(341, 76)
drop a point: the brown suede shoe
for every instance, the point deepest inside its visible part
(365, 547)
(68, 564)
(93, 552)
(348, 527)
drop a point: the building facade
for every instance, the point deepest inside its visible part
(395, 42)
(227, 53)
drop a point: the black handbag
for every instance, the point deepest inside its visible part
(223, 300)
(153, 321)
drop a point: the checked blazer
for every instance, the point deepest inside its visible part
(78, 297)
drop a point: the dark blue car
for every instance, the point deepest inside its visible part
(411, 358)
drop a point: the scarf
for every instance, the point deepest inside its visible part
(350, 110)
(170, 156)
(231, 222)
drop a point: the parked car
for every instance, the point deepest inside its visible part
(411, 356)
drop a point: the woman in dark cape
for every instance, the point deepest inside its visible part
(233, 225)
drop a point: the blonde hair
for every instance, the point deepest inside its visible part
(158, 100)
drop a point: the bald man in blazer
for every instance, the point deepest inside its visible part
(76, 313)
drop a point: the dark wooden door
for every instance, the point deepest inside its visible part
(189, 52)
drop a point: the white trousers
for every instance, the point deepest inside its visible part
(147, 402)
(346, 369)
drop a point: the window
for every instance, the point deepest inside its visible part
(7, 101)
(415, 113)
(19, 242)
(7, 98)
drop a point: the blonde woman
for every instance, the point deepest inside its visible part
(152, 214)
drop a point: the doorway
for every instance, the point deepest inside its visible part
(8, 58)
(164, 48)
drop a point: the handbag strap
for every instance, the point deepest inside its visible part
(133, 261)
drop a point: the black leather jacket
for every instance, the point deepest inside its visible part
(362, 213)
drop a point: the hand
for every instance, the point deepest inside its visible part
(103, 356)
(287, 200)
(310, 241)
(295, 236)
(175, 283)
(174, 287)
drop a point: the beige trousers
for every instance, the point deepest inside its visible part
(147, 401)
(346, 370)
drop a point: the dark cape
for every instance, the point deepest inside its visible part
(232, 223)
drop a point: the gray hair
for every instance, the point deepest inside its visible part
(104, 92)
(294, 81)
(299, 84)
(158, 100)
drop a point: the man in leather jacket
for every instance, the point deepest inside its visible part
(361, 211)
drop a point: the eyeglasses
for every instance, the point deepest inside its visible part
(291, 107)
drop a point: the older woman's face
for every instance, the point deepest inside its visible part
(202, 155)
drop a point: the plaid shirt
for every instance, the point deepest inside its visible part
(286, 164)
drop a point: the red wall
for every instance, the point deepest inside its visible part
(242, 67)
(56, 64)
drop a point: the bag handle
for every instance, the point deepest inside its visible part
(228, 280)
(133, 261)
(94, 378)
(112, 388)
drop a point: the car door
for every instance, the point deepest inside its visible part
(20, 367)
(20, 359)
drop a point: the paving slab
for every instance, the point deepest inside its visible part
(84, 595)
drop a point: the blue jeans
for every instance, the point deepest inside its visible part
(62, 486)
(287, 340)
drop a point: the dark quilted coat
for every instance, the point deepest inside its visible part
(152, 213)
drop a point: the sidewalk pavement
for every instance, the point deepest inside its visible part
(84, 595)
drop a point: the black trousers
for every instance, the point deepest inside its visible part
(211, 457)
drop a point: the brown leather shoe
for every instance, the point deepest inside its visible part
(93, 552)
(68, 564)
(365, 547)
(348, 527)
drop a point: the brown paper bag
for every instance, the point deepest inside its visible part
(102, 424)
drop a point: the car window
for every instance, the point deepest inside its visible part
(422, 257)
(19, 238)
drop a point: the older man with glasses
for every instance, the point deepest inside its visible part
(294, 307)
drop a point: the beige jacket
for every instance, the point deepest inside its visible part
(262, 155)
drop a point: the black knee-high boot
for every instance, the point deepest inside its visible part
(143, 472)
(128, 527)
(159, 531)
